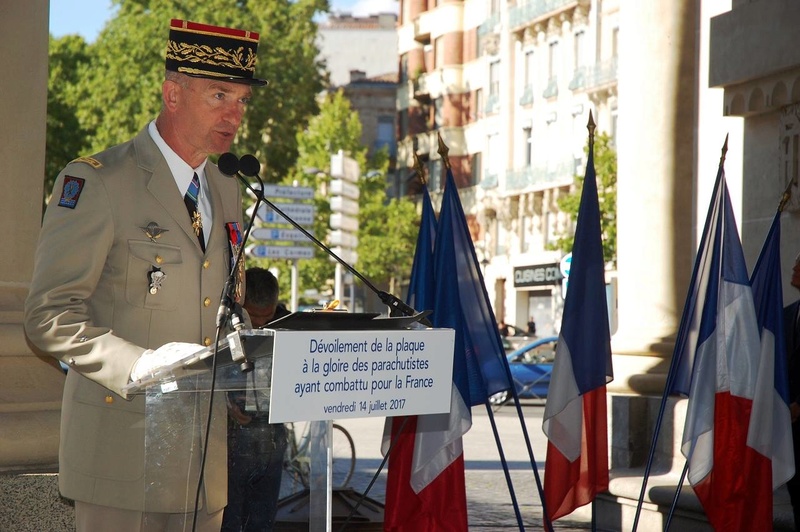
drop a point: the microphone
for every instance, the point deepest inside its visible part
(249, 166)
(228, 163)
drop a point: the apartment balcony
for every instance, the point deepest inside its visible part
(552, 88)
(489, 180)
(420, 87)
(542, 176)
(536, 10)
(489, 25)
(422, 27)
(596, 77)
(527, 96)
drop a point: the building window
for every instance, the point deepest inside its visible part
(527, 146)
(435, 177)
(403, 68)
(494, 79)
(402, 124)
(493, 101)
(438, 52)
(494, 158)
(475, 169)
(478, 111)
(528, 74)
(525, 225)
(553, 61)
(438, 112)
(385, 135)
(580, 49)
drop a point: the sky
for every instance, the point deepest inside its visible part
(87, 17)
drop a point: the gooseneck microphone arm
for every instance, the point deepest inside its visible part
(249, 166)
(228, 163)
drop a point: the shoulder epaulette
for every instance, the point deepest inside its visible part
(91, 161)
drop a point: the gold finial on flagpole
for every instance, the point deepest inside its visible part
(724, 151)
(420, 170)
(786, 196)
(443, 149)
(591, 126)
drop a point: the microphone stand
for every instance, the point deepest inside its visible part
(397, 306)
(229, 162)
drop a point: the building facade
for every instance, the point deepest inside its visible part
(510, 88)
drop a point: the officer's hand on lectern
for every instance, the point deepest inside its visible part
(151, 360)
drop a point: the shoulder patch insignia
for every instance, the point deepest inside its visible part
(73, 186)
(91, 161)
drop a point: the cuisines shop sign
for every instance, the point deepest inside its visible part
(537, 275)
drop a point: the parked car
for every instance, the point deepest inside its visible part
(531, 366)
(518, 336)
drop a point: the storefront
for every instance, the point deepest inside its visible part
(538, 288)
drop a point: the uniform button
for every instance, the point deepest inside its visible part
(206, 264)
(206, 301)
(206, 341)
(109, 399)
(159, 259)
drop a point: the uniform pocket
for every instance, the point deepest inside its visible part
(145, 257)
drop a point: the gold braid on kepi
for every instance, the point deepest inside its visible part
(205, 51)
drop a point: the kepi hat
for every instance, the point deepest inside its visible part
(204, 51)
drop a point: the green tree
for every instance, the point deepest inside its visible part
(336, 127)
(66, 138)
(605, 164)
(122, 83)
(387, 232)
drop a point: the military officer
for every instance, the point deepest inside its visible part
(136, 245)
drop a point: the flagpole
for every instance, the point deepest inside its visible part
(668, 385)
(591, 126)
(443, 152)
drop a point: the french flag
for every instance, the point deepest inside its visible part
(575, 422)
(728, 372)
(769, 459)
(425, 486)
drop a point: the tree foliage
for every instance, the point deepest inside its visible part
(121, 73)
(605, 164)
(386, 232)
(66, 138)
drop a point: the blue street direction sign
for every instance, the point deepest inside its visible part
(285, 191)
(301, 213)
(268, 233)
(280, 252)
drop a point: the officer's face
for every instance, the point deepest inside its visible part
(207, 115)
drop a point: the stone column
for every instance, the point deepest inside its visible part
(658, 95)
(30, 388)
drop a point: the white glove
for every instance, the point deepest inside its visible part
(170, 353)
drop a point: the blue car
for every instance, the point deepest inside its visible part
(531, 366)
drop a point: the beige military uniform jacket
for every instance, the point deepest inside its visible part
(91, 307)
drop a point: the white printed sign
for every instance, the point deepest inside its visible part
(318, 375)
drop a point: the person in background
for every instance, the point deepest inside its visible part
(255, 447)
(791, 321)
(531, 327)
(136, 244)
(503, 328)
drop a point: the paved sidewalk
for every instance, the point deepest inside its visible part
(489, 504)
